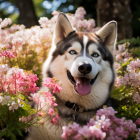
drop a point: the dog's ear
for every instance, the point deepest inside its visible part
(62, 28)
(108, 35)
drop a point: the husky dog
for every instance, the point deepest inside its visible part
(83, 62)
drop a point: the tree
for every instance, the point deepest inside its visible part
(118, 10)
(27, 13)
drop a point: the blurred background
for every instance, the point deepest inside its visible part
(125, 12)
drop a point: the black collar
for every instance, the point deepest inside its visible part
(75, 111)
(77, 107)
(109, 102)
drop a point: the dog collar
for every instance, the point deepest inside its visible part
(73, 112)
(75, 106)
(74, 109)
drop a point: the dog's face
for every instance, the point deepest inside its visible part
(83, 62)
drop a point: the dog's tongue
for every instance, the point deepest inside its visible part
(83, 85)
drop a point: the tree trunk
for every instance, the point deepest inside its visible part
(118, 10)
(27, 13)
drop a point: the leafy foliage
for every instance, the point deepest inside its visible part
(133, 41)
(126, 92)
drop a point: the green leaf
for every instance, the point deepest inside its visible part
(23, 112)
(135, 41)
(122, 89)
(19, 132)
(136, 109)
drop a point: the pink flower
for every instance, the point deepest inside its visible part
(51, 111)
(91, 24)
(97, 132)
(56, 88)
(50, 83)
(80, 12)
(120, 131)
(48, 94)
(43, 21)
(138, 134)
(74, 127)
(116, 65)
(54, 120)
(84, 131)
(137, 121)
(54, 13)
(35, 98)
(66, 132)
(5, 22)
(41, 114)
(7, 54)
(105, 126)
(78, 137)
(41, 122)
(136, 98)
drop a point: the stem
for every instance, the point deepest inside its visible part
(15, 83)
(36, 113)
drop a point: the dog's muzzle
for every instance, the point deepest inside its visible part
(82, 85)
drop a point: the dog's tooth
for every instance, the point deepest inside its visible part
(74, 78)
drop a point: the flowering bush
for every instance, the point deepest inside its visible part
(126, 89)
(22, 52)
(105, 125)
(17, 88)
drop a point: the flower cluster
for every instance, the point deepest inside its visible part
(15, 80)
(137, 121)
(7, 54)
(131, 78)
(12, 103)
(5, 22)
(128, 73)
(104, 125)
(52, 84)
(138, 135)
(122, 53)
(44, 98)
(77, 20)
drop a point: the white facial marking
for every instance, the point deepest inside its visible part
(93, 48)
(75, 46)
(85, 41)
(87, 60)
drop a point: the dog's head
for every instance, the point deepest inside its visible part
(83, 62)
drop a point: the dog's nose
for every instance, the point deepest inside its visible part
(85, 68)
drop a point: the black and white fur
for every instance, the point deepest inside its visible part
(92, 49)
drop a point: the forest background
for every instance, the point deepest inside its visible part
(125, 12)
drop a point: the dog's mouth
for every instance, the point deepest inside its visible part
(82, 85)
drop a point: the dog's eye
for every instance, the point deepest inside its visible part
(95, 54)
(72, 52)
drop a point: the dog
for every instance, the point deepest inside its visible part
(83, 62)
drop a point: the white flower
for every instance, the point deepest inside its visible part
(1, 99)
(138, 134)
(14, 106)
(7, 97)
